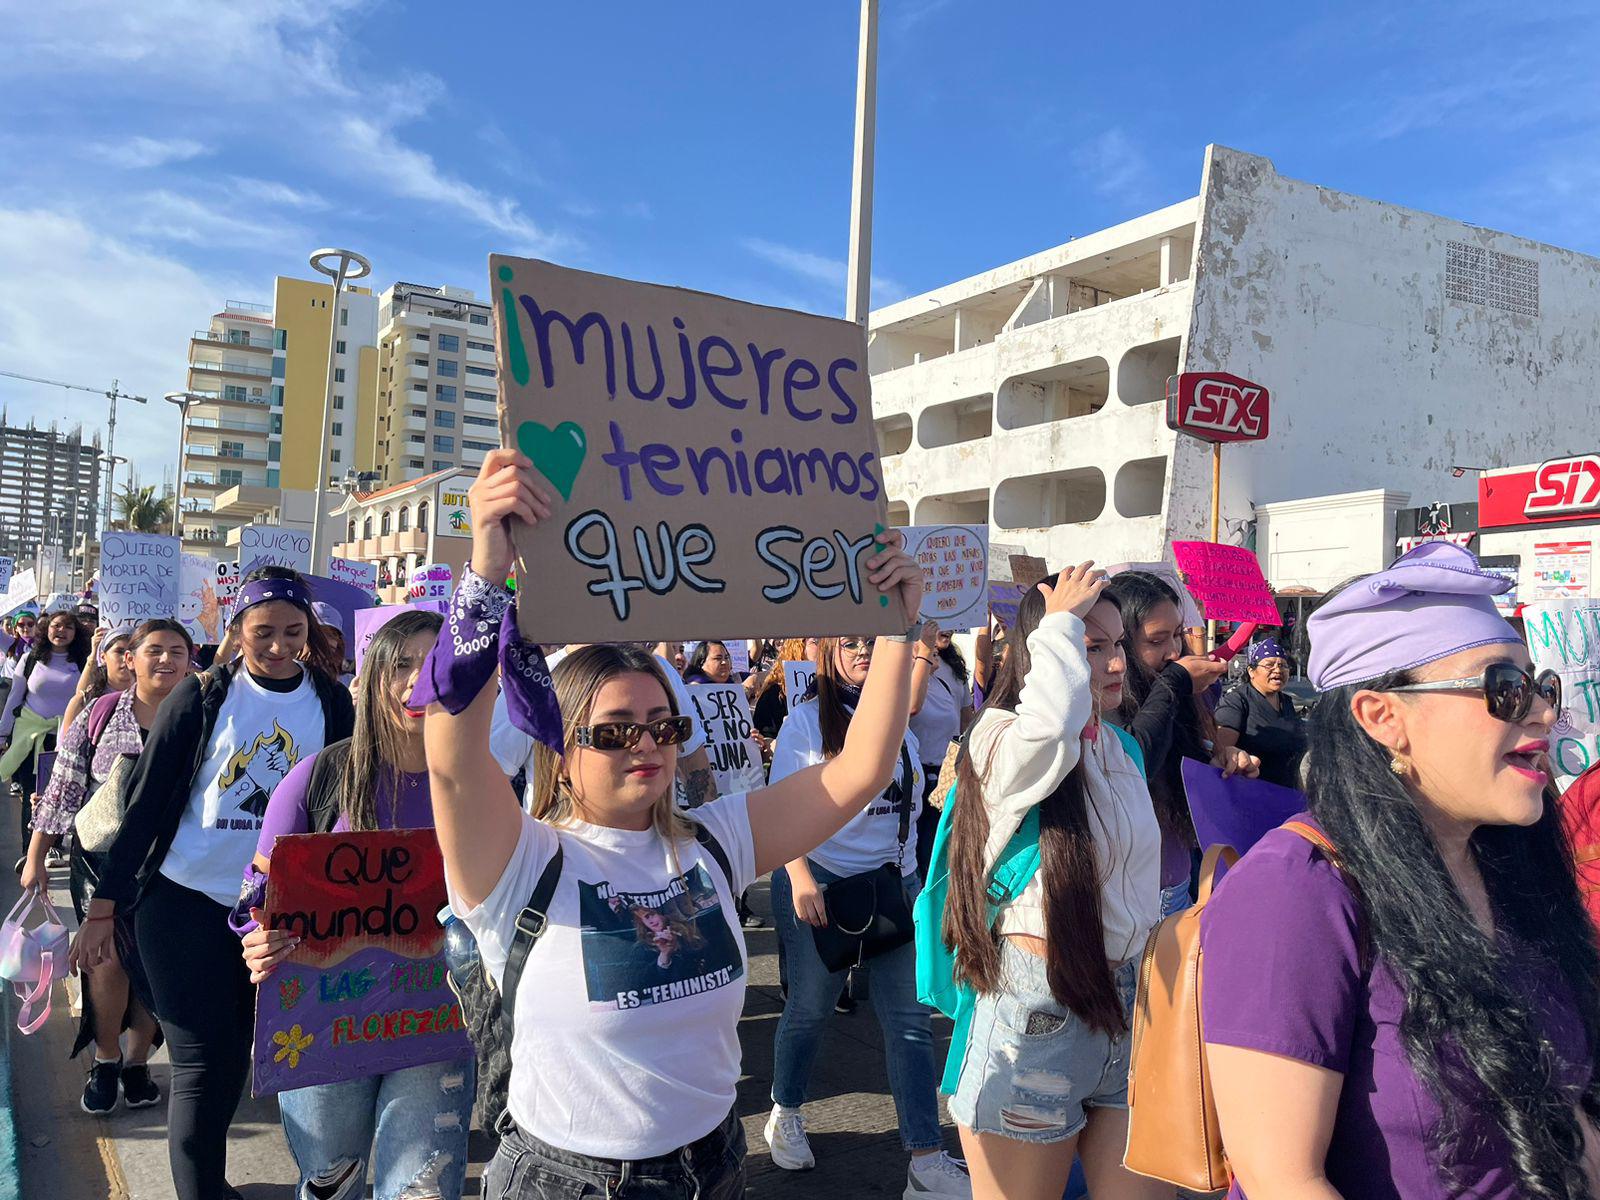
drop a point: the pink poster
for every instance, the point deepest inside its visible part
(1227, 582)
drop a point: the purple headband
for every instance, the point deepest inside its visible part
(1430, 603)
(259, 591)
(1264, 649)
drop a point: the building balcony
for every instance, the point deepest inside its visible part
(196, 485)
(218, 396)
(417, 370)
(252, 370)
(244, 306)
(245, 502)
(229, 423)
(244, 341)
(211, 454)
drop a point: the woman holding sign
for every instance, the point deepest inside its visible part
(624, 1068)
(410, 1124)
(220, 744)
(816, 898)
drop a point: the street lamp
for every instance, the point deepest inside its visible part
(184, 401)
(341, 266)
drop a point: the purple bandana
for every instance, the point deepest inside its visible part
(259, 591)
(482, 619)
(1430, 603)
(1264, 649)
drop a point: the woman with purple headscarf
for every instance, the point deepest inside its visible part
(1401, 997)
(1259, 717)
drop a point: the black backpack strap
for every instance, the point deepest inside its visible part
(714, 848)
(322, 793)
(532, 921)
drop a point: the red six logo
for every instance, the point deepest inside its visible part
(1218, 407)
(1565, 485)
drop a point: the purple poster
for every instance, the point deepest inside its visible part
(1235, 811)
(365, 992)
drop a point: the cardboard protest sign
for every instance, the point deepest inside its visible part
(227, 583)
(797, 677)
(724, 714)
(1235, 811)
(273, 545)
(8, 566)
(22, 591)
(1166, 572)
(1027, 569)
(1003, 601)
(955, 565)
(713, 462)
(365, 991)
(138, 577)
(430, 581)
(1226, 581)
(1564, 636)
(738, 655)
(198, 610)
(345, 599)
(355, 573)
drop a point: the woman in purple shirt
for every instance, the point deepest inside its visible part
(411, 1124)
(1414, 1014)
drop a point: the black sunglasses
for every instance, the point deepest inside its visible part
(1506, 687)
(625, 735)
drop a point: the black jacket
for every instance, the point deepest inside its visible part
(1167, 729)
(163, 777)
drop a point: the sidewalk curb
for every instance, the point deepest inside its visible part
(10, 1147)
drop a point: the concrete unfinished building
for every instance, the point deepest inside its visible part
(1396, 345)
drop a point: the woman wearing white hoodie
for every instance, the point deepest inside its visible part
(1044, 1075)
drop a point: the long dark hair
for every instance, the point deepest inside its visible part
(697, 661)
(42, 652)
(1075, 954)
(321, 655)
(376, 743)
(1466, 1031)
(956, 661)
(833, 693)
(1137, 594)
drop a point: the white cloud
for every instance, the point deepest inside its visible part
(167, 216)
(1114, 166)
(87, 308)
(281, 195)
(907, 15)
(139, 153)
(830, 273)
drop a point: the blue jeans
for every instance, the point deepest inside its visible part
(906, 1023)
(412, 1124)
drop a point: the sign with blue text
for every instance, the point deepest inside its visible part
(713, 463)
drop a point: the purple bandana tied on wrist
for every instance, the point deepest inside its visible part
(483, 619)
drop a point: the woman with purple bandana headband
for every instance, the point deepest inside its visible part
(220, 744)
(1259, 717)
(1406, 1005)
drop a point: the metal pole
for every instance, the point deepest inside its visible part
(1216, 523)
(111, 448)
(346, 259)
(183, 401)
(858, 280)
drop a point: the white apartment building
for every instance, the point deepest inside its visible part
(1396, 345)
(437, 400)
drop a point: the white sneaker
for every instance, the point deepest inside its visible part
(786, 1136)
(938, 1174)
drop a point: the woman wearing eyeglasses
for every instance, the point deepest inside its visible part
(1413, 1009)
(883, 835)
(623, 1073)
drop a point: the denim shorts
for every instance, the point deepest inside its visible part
(1033, 1068)
(524, 1168)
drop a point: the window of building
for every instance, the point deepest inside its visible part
(274, 451)
(444, 393)
(471, 445)
(489, 396)
(447, 367)
(338, 429)
(444, 419)
(485, 346)
(478, 318)
(350, 530)
(418, 386)
(344, 316)
(338, 348)
(277, 394)
(439, 464)
(230, 478)
(449, 341)
(338, 374)
(338, 403)
(234, 391)
(405, 518)
(280, 339)
(272, 477)
(443, 444)
(469, 419)
(421, 337)
(416, 439)
(422, 517)
(385, 523)
(333, 456)
(489, 371)
(278, 365)
(366, 526)
(415, 464)
(231, 450)
(277, 422)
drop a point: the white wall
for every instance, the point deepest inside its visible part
(1338, 305)
(1319, 543)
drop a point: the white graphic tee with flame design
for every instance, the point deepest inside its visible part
(259, 736)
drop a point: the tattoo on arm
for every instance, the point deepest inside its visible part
(700, 787)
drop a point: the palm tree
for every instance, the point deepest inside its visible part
(140, 510)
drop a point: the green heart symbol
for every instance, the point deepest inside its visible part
(557, 453)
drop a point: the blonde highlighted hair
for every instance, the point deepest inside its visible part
(578, 680)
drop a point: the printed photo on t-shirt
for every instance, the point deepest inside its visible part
(644, 948)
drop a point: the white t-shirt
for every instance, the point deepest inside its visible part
(938, 721)
(871, 837)
(513, 749)
(626, 1042)
(258, 737)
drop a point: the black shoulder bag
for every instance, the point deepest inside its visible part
(868, 914)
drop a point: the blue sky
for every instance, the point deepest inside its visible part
(162, 156)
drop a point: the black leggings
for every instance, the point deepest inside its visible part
(206, 1003)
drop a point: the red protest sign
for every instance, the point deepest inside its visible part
(1227, 582)
(1217, 407)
